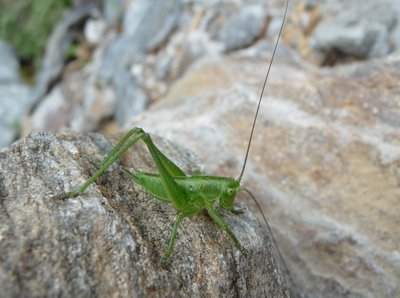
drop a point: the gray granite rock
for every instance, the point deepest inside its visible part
(56, 51)
(243, 27)
(15, 98)
(9, 70)
(113, 9)
(162, 38)
(362, 29)
(108, 241)
(145, 26)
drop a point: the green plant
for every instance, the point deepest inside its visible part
(26, 25)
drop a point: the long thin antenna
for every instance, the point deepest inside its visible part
(270, 232)
(262, 93)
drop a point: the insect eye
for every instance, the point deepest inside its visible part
(230, 191)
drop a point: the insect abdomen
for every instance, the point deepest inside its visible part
(198, 188)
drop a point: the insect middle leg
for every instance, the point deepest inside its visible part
(171, 242)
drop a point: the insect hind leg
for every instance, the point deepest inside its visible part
(127, 141)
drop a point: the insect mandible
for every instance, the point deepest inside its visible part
(188, 194)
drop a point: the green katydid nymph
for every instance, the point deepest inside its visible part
(188, 194)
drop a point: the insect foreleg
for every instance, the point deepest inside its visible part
(220, 222)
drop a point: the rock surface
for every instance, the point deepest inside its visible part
(325, 157)
(328, 33)
(324, 161)
(243, 28)
(108, 242)
(362, 29)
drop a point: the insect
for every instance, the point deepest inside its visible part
(188, 194)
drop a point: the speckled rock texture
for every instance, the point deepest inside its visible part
(108, 241)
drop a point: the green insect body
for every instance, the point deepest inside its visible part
(188, 194)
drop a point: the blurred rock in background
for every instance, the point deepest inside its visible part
(15, 97)
(363, 31)
(326, 153)
(324, 161)
(107, 61)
